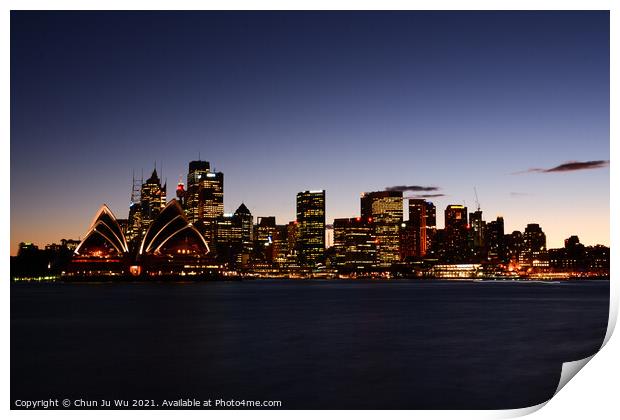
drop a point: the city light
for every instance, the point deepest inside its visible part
(190, 235)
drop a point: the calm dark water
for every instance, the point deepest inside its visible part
(310, 344)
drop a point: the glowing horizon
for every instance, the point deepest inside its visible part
(515, 104)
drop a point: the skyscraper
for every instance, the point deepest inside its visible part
(534, 242)
(204, 198)
(409, 240)
(385, 210)
(234, 237)
(228, 239)
(311, 221)
(477, 228)
(198, 171)
(264, 237)
(152, 200)
(247, 223)
(431, 226)
(418, 212)
(495, 241)
(134, 219)
(280, 245)
(354, 245)
(456, 233)
(292, 237)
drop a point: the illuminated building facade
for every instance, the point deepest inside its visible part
(234, 238)
(171, 245)
(456, 233)
(198, 170)
(431, 225)
(228, 240)
(385, 210)
(104, 249)
(292, 236)
(409, 241)
(496, 241)
(246, 221)
(477, 228)
(329, 236)
(204, 198)
(264, 237)
(534, 243)
(415, 239)
(133, 231)
(514, 247)
(280, 245)
(354, 245)
(311, 220)
(152, 201)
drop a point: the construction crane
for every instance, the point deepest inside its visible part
(477, 202)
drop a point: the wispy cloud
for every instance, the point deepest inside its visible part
(568, 167)
(520, 194)
(427, 196)
(413, 188)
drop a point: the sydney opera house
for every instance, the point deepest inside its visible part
(170, 246)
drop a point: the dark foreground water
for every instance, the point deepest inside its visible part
(309, 344)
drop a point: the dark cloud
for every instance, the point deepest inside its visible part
(427, 196)
(413, 188)
(569, 167)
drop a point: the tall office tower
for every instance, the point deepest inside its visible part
(264, 235)
(234, 237)
(477, 228)
(246, 221)
(409, 240)
(495, 240)
(228, 239)
(417, 226)
(204, 198)
(292, 237)
(340, 231)
(438, 246)
(354, 245)
(534, 242)
(280, 245)
(152, 200)
(134, 220)
(514, 246)
(385, 209)
(456, 233)
(198, 170)
(431, 225)
(311, 220)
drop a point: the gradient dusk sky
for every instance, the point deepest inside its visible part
(283, 102)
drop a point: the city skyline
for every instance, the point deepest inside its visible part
(438, 107)
(426, 194)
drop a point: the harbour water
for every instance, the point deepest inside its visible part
(312, 344)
